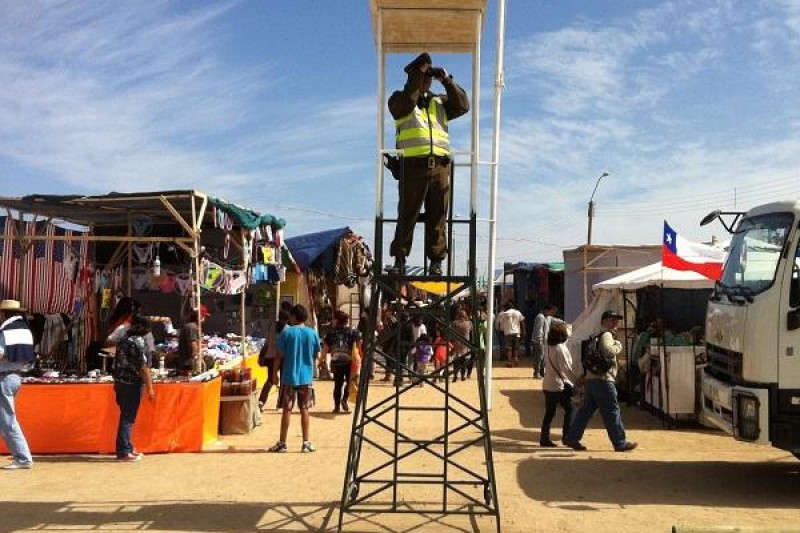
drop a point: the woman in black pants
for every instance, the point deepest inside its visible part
(266, 357)
(558, 382)
(339, 343)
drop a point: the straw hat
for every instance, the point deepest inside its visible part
(11, 305)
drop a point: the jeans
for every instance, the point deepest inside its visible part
(341, 379)
(552, 399)
(538, 358)
(128, 398)
(10, 430)
(599, 394)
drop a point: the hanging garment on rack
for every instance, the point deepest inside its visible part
(53, 334)
(139, 278)
(211, 276)
(101, 281)
(258, 273)
(237, 281)
(142, 253)
(352, 260)
(154, 282)
(184, 283)
(168, 282)
(141, 225)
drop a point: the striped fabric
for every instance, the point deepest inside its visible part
(45, 277)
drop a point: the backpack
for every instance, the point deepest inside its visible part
(592, 358)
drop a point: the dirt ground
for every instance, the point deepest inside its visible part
(685, 477)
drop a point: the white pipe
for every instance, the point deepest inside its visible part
(380, 117)
(498, 92)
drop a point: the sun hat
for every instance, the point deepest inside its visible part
(11, 305)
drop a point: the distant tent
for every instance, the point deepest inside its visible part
(307, 248)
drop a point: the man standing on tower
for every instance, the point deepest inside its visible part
(421, 133)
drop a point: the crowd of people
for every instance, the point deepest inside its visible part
(423, 346)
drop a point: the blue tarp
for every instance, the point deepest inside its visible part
(307, 248)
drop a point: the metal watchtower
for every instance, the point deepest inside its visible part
(396, 464)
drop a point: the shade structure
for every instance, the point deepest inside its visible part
(431, 25)
(656, 274)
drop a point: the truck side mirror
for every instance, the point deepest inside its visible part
(793, 320)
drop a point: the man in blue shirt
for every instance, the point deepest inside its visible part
(298, 351)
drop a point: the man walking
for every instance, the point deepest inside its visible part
(512, 323)
(16, 351)
(421, 127)
(600, 392)
(298, 352)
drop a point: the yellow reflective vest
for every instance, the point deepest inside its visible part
(423, 131)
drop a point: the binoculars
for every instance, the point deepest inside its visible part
(434, 72)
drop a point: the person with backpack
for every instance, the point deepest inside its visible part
(599, 361)
(16, 351)
(131, 375)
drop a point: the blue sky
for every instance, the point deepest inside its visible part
(690, 105)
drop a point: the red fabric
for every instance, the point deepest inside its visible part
(671, 260)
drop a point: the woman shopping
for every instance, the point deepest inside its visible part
(558, 383)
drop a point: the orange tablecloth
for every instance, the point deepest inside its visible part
(83, 417)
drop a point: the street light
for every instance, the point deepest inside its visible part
(589, 242)
(591, 208)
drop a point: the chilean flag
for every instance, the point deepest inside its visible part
(680, 254)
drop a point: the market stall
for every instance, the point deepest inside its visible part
(82, 417)
(663, 310)
(175, 250)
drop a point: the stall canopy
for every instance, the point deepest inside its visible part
(656, 274)
(308, 247)
(608, 294)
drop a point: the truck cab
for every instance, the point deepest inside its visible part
(751, 384)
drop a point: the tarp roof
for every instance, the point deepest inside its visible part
(308, 247)
(114, 209)
(656, 274)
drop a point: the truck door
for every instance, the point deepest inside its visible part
(789, 323)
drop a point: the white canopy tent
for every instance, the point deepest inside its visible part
(608, 294)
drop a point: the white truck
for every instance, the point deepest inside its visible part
(751, 384)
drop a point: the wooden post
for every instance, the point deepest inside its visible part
(196, 255)
(130, 258)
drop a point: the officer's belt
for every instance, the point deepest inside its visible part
(427, 161)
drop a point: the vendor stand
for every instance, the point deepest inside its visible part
(664, 312)
(186, 227)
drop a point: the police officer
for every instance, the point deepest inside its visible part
(421, 128)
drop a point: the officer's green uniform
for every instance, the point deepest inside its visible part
(421, 133)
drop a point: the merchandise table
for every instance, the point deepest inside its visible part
(83, 417)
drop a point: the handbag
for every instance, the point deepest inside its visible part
(569, 388)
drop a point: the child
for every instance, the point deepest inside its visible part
(441, 351)
(422, 354)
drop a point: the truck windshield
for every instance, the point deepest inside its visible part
(755, 251)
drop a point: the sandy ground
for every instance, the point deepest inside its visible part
(685, 477)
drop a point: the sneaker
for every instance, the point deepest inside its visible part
(17, 466)
(129, 458)
(336, 410)
(547, 444)
(628, 446)
(435, 268)
(577, 446)
(307, 447)
(278, 447)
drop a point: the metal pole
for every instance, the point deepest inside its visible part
(498, 93)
